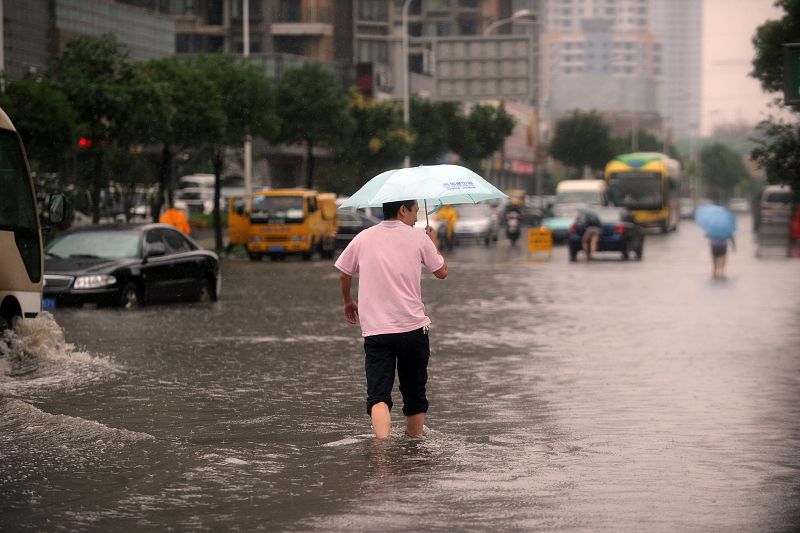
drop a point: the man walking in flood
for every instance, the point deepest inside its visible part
(388, 258)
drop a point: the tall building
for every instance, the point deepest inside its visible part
(34, 31)
(680, 32)
(638, 61)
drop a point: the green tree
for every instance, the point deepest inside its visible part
(780, 144)
(778, 153)
(582, 138)
(45, 121)
(768, 42)
(722, 170)
(433, 125)
(312, 107)
(114, 106)
(377, 141)
(194, 118)
(248, 105)
(483, 133)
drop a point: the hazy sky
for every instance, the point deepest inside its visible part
(729, 94)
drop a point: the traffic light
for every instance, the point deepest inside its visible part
(791, 74)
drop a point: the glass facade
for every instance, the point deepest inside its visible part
(147, 35)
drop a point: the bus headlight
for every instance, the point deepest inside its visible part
(94, 282)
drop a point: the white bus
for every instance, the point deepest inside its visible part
(21, 262)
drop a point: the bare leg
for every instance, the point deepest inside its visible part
(415, 424)
(381, 420)
(722, 266)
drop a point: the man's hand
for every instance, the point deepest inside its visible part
(431, 233)
(351, 311)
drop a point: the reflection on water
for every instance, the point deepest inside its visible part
(589, 396)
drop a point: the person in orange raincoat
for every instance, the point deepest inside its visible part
(177, 218)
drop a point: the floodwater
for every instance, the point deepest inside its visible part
(601, 396)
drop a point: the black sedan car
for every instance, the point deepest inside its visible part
(127, 265)
(351, 223)
(619, 232)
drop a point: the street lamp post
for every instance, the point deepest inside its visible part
(406, 111)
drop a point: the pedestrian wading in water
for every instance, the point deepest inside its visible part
(388, 258)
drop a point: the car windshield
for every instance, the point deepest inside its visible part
(579, 197)
(95, 245)
(779, 197)
(277, 209)
(636, 190)
(474, 211)
(196, 194)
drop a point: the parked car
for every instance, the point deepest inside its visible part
(351, 223)
(127, 265)
(195, 200)
(739, 205)
(686, 208)
(476, 221)
(619, 232)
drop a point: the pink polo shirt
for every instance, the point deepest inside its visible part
(388, 259)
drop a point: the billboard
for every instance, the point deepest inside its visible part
(485, 68)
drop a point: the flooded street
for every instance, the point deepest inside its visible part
(600, 396)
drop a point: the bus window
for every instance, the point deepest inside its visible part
(17, 206)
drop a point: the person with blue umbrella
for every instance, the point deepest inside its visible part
(719, 224)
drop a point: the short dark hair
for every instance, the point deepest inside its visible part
(391, 209)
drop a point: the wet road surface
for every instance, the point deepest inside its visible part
(600, 396)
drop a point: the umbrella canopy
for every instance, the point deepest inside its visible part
(716, 221)
(436, 185)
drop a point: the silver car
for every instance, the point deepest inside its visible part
(476, 222)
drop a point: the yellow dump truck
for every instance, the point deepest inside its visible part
(284, 221)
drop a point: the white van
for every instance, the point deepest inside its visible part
(590, 192)
(196, 181)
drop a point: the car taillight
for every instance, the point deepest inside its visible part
(573, 228)
(619, 228)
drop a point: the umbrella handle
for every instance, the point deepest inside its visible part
(425, 202)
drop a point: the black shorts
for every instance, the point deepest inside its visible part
(409, 352)
(719, 248)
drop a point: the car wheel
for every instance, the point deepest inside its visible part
(205, 293)
(129, 297)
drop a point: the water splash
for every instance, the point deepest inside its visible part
(36, 354)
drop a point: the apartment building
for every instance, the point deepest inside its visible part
(638, 61)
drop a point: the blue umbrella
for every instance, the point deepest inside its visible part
(716, 221)
(435, 184)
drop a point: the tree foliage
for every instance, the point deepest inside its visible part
(432, 126)
(193, 119)
(94, 74)
(376, 141)
(768, 42)
(312, 107)
(248, 105)
(779, 149)
(45, 121)
(722, 169)
(484, 132)
(582, 138)
(778, 153)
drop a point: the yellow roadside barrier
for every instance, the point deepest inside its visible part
(540, 241)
